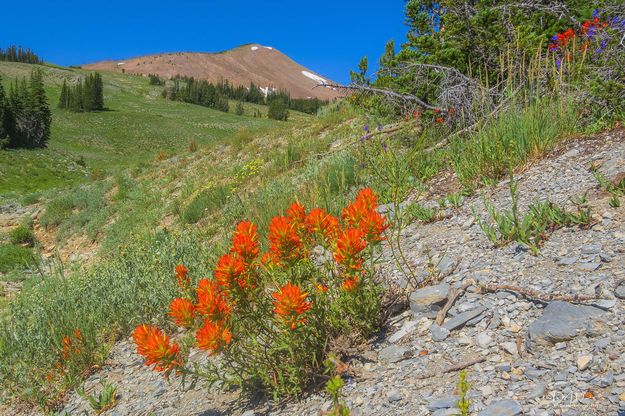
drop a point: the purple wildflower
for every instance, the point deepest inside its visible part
(595, 13)
(366, 128)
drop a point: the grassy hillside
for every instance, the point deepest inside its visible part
(138, 127)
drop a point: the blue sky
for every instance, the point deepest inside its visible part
(329, 37)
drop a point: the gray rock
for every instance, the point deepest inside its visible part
(435, 403)
(562, 321)
(591, 249)
(510, 347)
(429, 298)
(502, 408)
(462, 318)
(406, 329)
(446, 265)
(620, 291)
(447, 412)
(393, 396)
(537, 391)
(588, 267)
(567, 261)
(483, 340)
(392, 354)
(439, 333)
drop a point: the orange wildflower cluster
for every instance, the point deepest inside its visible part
(154, 345)
(182, 312)
(363, 215)
(285, 242)
(213, 336)
(289, 304)
(320, 223)
(211, 301)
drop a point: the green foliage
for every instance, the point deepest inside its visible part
(463, 389)
(530, 229)
(334, 388)
(14, 257)
(416, 211)
(26, 116)
(102, 302)
(105, 400)
(239, 109)
(156, 80)
(18, 54)
(278, 109)
(516, 136)
(204, 202)
(22, 234)
(84, 96)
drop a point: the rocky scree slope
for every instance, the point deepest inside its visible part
(523, 356)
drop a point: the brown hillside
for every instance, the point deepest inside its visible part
(262, 65)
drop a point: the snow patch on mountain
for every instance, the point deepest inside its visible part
(314, 77)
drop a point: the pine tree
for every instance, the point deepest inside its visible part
(64, 98)
(239, 110)
(98, 92)
(3, 133)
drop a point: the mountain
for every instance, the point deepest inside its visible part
(265, 66)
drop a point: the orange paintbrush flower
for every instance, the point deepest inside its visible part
(213, 337)
(182, 312)
(154, 345)
(349, 245)
(350, 283)
(289, 304)
(284, 239)
(373, 225)
(245, 241)
(230, 269)
(211, 301)
(363, 214)
(297, 214)
(319, 222)
(181, 276)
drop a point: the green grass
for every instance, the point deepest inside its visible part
(518, 135)
(137, 125)
(15, 257)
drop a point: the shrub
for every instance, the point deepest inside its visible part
(13, 257)
(278, 110)
(22, 234)
(272, 316)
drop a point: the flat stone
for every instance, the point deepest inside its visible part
(406, 329)
(562, 321)
(502, 408)
(429, 298)
(439, 333)
(567, 261)
(583, 362)
(510, 347)
(591, 249)
(435, 403)
(392, 354)
(446, 265)
(446, 412)
(537, 391)
(462, 318)
(483, 340)
(588, 267)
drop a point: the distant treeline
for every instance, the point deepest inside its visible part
(25, 116)
(84, 96)
(18, 54)
(215, 96)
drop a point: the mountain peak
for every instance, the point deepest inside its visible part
(263, 65)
